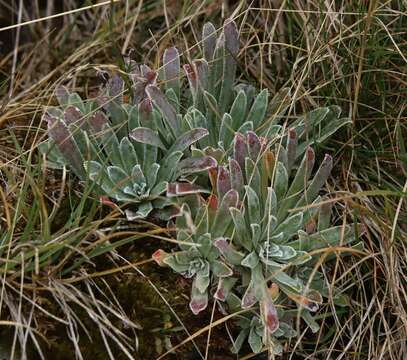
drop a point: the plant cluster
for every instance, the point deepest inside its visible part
(212, 158)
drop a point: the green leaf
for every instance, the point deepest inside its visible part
(253, 205)
(147, 136)
(220, 269)
(251, 260)
(258, 110)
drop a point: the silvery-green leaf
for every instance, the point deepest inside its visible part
(290, 226)
(236, 176)
(202, 282)
(242, 236)
(187, 139)
(251, 260)
(226, 131)
(144, 210)
(171, 70)
(151, 175)
(313, 325)
(255, 341)
(169, 166)
(253, 205)
(225, 285)
(258, 110)
(280, 181)
(194, 165)
(165, 107)
(238, 343)
(199, 300)
(220, 269)
(128, 154)
(147, 136)
(317, 182)
(231, 255)
(208, 41)
(238, 110)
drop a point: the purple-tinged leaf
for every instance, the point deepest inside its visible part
(240, 150)
(147, 136)
(231, 49)
(159, 256)
(249, 297)
(199, 301)
(223, 184)
(98, 121)
(180, 189)
(72, 115)
(233, 256)
(291, 149)
(253, 145)
(115, 88)
(59, 132)
(62, 94)
(208, 41)
(317, 182)
(193, 165)
(236, 176)
(165, 107)
(145, 112)
(192, 79)
(324, 215)
(187, 139)
(224, 287)
(200, 67)
(269, 313)
(220, 269)
(171, 70)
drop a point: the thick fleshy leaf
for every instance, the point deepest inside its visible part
(169, 166)
(225, 285)
(242, 235)
(324, 215)
(258, 110)
(208, 41)
(253, 205)
(255, 341)
(66, 144)
(171, 70)
(269, 313)
(199, 301)
(236, 176)
(251, 260)
(128, 154)
(220, 269)
(194, 165)
(147, 136)
(231, 255)
(329, 237)
(240, 150)
(253, 145)
(238, 110)
(165, 107)
(289, 226)
(184, 188)
(187, 139)
(291, 149)
(223, 184)
(231, 50)
(317, 182)
(62, 94)
(280, 181)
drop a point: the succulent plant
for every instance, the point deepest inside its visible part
(134, 167)
(215, 102)
(267, 235)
